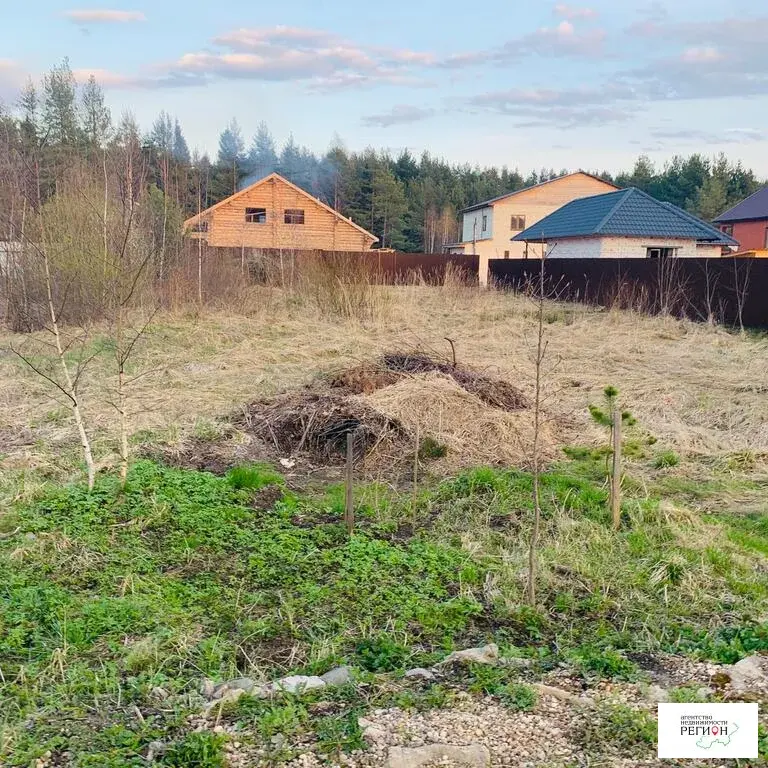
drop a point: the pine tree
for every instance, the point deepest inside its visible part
(291, 165)
(711, 199)
(60, 105)
(180, 147)
(389, 206)
(94, 115)
(231, 147)
(29, 125)
(262, 157)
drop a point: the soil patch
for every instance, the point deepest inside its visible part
(390, 368)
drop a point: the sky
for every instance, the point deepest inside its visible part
(524, 84)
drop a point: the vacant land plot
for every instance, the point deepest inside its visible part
(123, 611)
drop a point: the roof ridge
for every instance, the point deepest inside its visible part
(695, 219)
(627, 194)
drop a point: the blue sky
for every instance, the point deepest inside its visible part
(526, 84)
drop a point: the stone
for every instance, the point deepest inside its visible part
(748, 674)
(420, 673)
(159, 694)
(704, 692)
(228, 697)
(561, 695)
(487, 654)
(156, 749)
(207, 689)
(296, 684)
(474, 755)
(244, 684)
(656, 694)
(337, 676)
(515, 662)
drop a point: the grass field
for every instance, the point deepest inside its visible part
(117, 604)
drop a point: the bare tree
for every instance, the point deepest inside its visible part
(541, 350)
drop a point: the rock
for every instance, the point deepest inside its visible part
(420, 673)
(295, 684)
(487, 654)
(475, 755)
(748, 674)
(159, 694)
(704, 692)
(656, 694)
(560, 694)
(207, 689)
(155, 749)
(515, 662)
(337, 676)
(229, 697)
(244, 684)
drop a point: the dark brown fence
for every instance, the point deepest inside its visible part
(385, 266)
(732, 291)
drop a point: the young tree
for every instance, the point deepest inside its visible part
(29, 105)
(389, 205)
(95, 117)
(60, 106)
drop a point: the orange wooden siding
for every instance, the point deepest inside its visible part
(323, 228)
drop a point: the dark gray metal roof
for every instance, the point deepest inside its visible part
(626, 213)
(754, 207)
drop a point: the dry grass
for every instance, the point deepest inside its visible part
(699, 390)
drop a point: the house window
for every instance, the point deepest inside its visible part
(660, 253)
(727, 229)
(201, 226)
(294, 215)
(765, 242)
(485, 224)
(517, 223)
(506, 254)
(256, 215)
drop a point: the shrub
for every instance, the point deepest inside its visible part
(666, 459)
(621, 727)
(253, 477)
(518, 696)
(381, 654)
(604, 662)
(429, 448)
(196, 750)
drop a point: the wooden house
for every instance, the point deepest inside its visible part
(274, 213)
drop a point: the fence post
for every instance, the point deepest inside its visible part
(349, 508)
(616, 474)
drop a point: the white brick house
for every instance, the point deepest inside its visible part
(628, 224)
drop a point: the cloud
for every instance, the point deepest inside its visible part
(104, 16)
(564, 108)
(701, 55)
(12, 77)
(398, 115)
(564, 40)
(572, 12)
(698, 137)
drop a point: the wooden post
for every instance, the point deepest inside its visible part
(415, 475)
(616, 474)
(349, 508)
